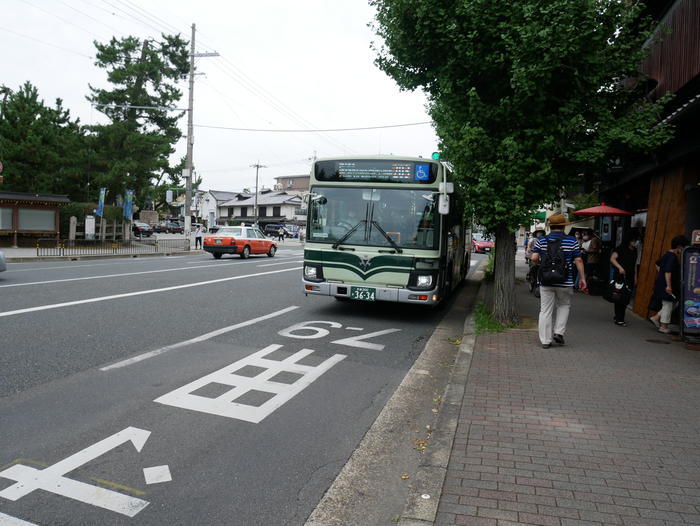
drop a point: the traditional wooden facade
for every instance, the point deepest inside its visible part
(666, 185)
(25, 216)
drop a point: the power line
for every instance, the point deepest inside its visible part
(46, 43)
(65, 20)
(315, 131)
(117, 31)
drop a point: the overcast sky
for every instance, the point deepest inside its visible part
(303, 64)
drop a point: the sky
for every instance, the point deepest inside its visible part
(282, 65)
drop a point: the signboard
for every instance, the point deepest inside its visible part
(101, 203)
(89, 227)
(690, 293)
(376, 171)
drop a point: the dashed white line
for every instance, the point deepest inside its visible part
(122, 261)
(140, 293)
(282, 263)
(203, 337)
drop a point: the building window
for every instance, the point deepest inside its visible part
(276, 211)
(262, 211)
(244, 211)
(5, 218)
(230, 211)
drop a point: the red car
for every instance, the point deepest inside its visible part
(240, 240)
(481, 244)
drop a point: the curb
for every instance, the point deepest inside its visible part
(31, 259)
(424, 498)
(356, 496)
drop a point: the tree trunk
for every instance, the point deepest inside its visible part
(505, 309)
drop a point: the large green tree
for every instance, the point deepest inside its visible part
(42, 149)
(135, 148)
(525, 96)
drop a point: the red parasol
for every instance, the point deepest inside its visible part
(602, 210)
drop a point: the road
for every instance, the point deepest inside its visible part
(185, 390)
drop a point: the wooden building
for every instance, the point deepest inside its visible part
(27, 217)
(664, 188)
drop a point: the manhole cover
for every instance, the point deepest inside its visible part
(664, 342)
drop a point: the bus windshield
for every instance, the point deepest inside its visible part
(406, 216)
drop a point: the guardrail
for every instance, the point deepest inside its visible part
(94, 247)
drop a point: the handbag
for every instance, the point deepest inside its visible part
(617, 292)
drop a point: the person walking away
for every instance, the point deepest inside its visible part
(556, 253)
(526, 242)
(532, 273)
(591, 249)
(624, 263)
(667, 286)
(280, 234)
(198, 237)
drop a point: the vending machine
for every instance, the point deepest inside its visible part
(690, 292)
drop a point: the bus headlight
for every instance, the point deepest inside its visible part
(310, 272)
(424, 281)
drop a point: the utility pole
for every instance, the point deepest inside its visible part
(257, 167)
(190, 137)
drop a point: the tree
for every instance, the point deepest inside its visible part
(525, 96)
(136, 146)
(42, 149)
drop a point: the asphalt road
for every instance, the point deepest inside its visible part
(184, 390)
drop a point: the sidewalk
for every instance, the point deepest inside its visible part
(604, 430)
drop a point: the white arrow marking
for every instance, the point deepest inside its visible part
(52, 478)
(7, 520)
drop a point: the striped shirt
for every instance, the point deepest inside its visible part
(569, 246)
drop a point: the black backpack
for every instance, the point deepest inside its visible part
(553, 268)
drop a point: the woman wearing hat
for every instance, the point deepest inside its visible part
(555, 298)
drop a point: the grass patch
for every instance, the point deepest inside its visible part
(484, 322)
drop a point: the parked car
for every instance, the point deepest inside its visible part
(481, 244)
(174, 228)
(240, 240)
(3, 264)
(273, 230)
(141, 229)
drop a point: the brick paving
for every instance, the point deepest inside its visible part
(604, 430)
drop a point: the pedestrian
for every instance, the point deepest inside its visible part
(591, 250)
(198, 237)
(667, 286)
(280, 234)
(624, 263)
(555, 298)
(526, 241)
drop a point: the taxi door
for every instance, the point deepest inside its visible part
(252, 240)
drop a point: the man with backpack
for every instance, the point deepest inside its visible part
(556, 254)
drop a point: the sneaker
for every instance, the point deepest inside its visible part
(621, 323)
(656, 322)
(559, 339)
(546, 345)
(664, 331)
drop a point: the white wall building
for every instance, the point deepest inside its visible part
(273, 207)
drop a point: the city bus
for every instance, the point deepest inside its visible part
(384, 228)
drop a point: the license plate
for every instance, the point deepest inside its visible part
(487, 249)
(218, 241)
(362, 293)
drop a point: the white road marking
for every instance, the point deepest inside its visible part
(140, 293)
(6, 520)
(29, 479)
(357, 341)
(157, 474)
(108, 276)
(282, 263)
(316, 332)
(121, 261)
(198, 339)
(354, 328)
(225, 404)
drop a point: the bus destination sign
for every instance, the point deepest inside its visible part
(376, 171)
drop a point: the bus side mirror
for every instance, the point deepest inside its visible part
(444, 204)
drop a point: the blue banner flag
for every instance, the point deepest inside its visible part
(101, 203)
(128, 204)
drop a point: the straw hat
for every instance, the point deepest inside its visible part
(558, 220)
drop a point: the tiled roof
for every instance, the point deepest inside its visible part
(267, 198)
